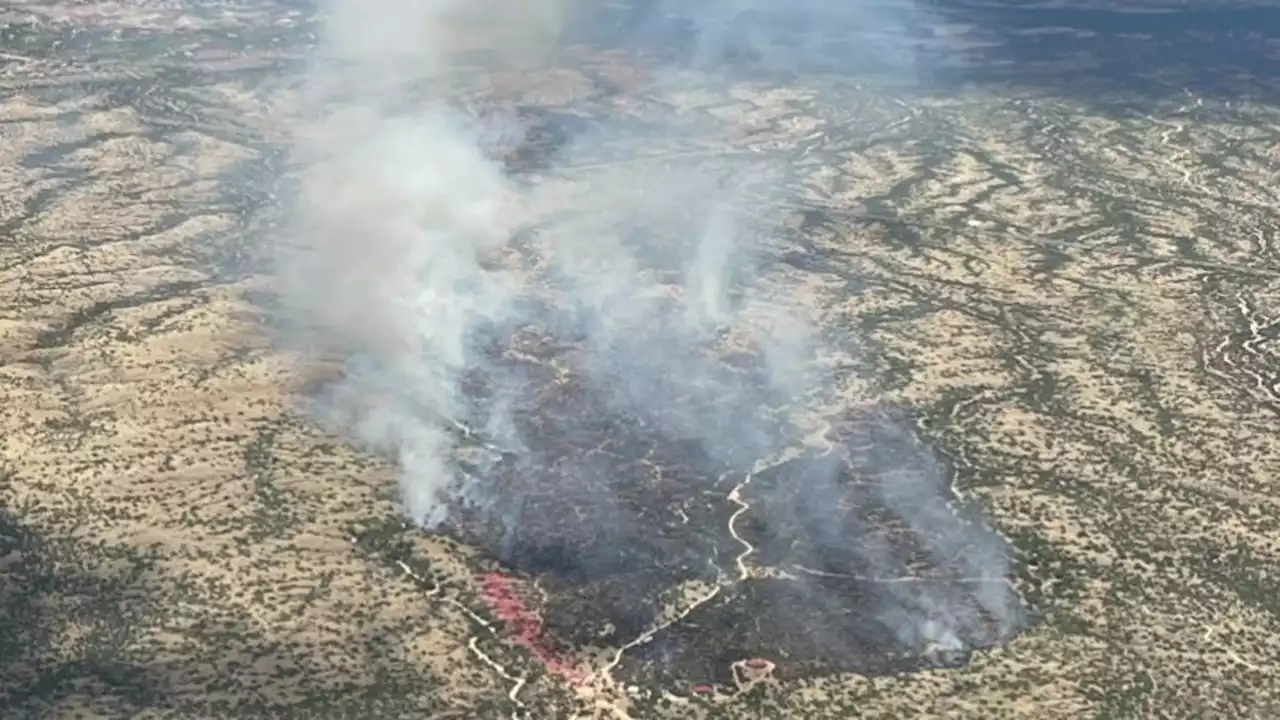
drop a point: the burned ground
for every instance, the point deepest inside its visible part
(813, 559)
(1073, 298)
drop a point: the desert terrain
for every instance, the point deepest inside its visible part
(1055, 258)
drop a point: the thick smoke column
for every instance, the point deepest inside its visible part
(404, 258)
(404, 221)
(397, 209)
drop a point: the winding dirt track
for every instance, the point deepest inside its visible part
(1072, 286)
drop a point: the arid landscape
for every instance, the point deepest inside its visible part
(1042, 266)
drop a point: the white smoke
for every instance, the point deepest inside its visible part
(402, 258)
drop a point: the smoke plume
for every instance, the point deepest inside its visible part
(432, 263)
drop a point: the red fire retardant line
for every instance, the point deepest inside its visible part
(524, 623)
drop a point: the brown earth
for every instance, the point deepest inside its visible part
(1071, 286)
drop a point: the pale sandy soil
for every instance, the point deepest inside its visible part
(1083, 305)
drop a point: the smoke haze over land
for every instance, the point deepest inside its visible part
(433, 268)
